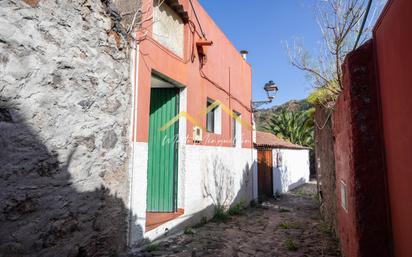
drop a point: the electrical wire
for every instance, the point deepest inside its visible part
(197, 19)
(202, 61)
(363, 24)
(203, 75)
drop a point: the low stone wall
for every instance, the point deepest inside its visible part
(65, 100)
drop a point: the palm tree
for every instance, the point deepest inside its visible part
(297, 127)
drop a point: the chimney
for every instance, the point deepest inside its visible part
(244, 54)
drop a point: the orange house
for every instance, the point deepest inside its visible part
(192, 135)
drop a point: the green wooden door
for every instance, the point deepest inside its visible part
(162, 162)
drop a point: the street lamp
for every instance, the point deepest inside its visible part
(271, 89)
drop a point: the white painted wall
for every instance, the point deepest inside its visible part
(293, 170)
(233, 170)
(138, 192)
(229, 168)
(210, 175)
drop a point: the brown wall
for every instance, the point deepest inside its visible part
(325, 164)
(363, 225)
(393, 37)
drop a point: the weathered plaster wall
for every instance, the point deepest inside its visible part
(168, 28)
(64, 129)
(292, 172)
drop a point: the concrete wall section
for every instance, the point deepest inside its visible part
(291, 169)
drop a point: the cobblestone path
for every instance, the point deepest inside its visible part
(288, 226)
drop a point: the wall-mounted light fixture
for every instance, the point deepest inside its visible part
(271, 89)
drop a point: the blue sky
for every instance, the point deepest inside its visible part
(261, 29)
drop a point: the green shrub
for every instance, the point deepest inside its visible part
(326, 229)
(220, 213)
(300, 192)
(189, 231)
(285, 225)
(291, 245)
(152, 248)
(237, 208)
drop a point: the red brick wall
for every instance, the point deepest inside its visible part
(363, 227)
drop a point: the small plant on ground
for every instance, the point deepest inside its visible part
(152, 248)
(301, 192)
(189, 231)
(326, 229)
(291, 245)
(285, 225)
(316, 198)
(220, 213)
(237, 208)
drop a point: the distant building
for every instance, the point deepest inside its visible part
(282, 166)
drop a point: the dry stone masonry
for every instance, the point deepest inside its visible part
(65, 102)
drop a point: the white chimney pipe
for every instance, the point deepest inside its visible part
(244, 54)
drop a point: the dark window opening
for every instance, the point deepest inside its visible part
(210, 117)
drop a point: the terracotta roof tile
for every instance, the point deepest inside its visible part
(268, 140)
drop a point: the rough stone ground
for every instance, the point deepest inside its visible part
(288, 226)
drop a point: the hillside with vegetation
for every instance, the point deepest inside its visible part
(263, 116)
(292, 121)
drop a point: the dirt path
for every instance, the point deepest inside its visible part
(289, 226)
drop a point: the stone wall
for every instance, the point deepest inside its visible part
(325, 165)
(65, 102)
(363, 222)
